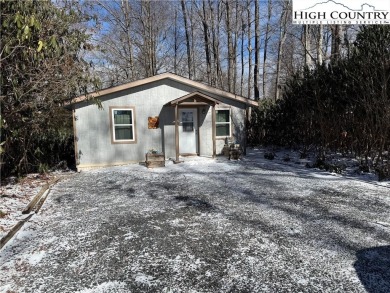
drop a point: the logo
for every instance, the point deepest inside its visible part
(341, 12)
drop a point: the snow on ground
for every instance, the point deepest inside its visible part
(205, 225)
(15, 197)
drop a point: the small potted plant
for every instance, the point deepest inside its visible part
(153, 151)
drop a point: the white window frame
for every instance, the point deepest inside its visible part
(112, 117)
(220, 123)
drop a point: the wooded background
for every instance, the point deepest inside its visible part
(322, 87)
(246, 47)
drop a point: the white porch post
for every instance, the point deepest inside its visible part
(213, 130)
(177, 131)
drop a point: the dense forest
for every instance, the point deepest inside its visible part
(343, 106)
(319, 87)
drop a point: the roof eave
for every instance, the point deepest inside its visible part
(158, 77)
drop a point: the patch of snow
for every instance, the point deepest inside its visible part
(178, 222)
(111, 286)
(36, 257)
(5, 288)
(15, 196)
(303, 282)
(143, 279)
(207, 225)
(130, 235)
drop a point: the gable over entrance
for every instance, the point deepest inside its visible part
(196, 100)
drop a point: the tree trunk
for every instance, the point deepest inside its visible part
(230, 47)
(306, 41)
(249, 50)
(266, 39)
(282, 38)
(175, 45)
(127, 21)
(193, 52)
(242, 53)
(206, 42)
(215, 29)
(235, 42)
(319, 45)
(257, 51)
(150, 33)
(213, 46)
(189, 62)
(336, 43)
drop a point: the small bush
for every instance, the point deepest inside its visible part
(322, 164)
(364, 168)
(43, 168)
(383, 173)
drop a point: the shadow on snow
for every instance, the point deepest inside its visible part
(373, 268)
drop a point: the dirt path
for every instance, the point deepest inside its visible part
(204, 226)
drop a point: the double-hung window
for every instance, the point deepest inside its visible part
(223, 123)
(122, 123)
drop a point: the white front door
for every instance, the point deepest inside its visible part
(188, 131)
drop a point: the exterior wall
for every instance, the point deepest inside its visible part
(237, 117)
(238, 110)
(94, 134)
(205, 131)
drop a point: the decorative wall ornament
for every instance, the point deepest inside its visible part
(153, 122)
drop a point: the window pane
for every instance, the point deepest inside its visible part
(222, 116)
(123, 132)
(223, 129)
(187, 116)
(188, 126)
(122, 117)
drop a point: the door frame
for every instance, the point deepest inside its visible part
(194, 100)
(196, 129)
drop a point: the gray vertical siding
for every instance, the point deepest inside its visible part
(93, 125)
(205, 134)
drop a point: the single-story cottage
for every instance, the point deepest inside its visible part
(167, 113)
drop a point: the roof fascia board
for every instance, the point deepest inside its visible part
(162, 76)
(194, 94)
(214, 90)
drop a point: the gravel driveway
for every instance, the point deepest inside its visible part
(205, 226)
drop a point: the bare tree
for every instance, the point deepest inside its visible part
(336, 42)
(218, 42)
(257, 51)
(131, 39)
(286, 6)
(266, 40)
(192, 22)
(319, 45)
(215, 24)
(249, 27)
(126, 8)
(235, 44)
(150, 32)
(118, 43)
(206, 34)
(176, 45)
(189, 60)
(230, 46)
(306, 44)
(243, 27)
